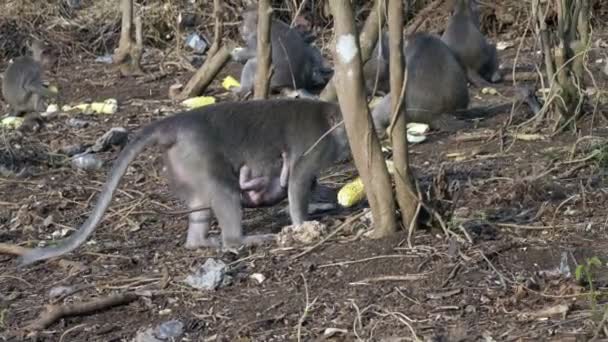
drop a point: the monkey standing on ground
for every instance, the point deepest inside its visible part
(436, 86)
(22, 86)
(296, 64)
(463, 36)
(205, 150)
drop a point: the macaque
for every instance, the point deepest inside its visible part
(205, 150)
(296, 64)
(463, 36)
(436, 85)
(22, 84)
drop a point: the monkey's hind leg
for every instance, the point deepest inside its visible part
(198, 230)
(226, 205)
(302, 176)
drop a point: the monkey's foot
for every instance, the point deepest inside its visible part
(195, 243)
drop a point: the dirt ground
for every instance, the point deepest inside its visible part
(524, 207)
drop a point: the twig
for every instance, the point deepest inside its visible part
(350, 262)
(54, 312)
(503, 280)
(306, 308)
(330, 235)
(407, 277)
(11, 249)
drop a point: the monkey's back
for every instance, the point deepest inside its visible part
(255, 132)
(465, 39)
(436, 81)
(22, 71)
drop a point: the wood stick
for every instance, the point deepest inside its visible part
(55, 312)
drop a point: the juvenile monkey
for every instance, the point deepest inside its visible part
(204, 151)
(436, 85)
(22, 86)
(463, 36)
(264, 190)
(296, 64)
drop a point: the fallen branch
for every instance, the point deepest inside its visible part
(55, 312)
(10, 249)
(203, 77)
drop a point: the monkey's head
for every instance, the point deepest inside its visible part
(249, 26)
(42, 53)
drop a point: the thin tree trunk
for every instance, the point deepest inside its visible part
(406, 193)
(363, 140)
(205, 75)
(264, 57)
(219, 28)
(367, 41)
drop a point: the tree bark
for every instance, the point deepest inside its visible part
(363, 140)
(367, 41)
(406, 193)
(205, 75)
(264, 57)
(128, 54)
(219, 28)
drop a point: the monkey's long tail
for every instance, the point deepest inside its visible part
(148, 136)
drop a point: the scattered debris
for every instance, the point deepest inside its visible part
(416, 132)
(86, 161)
(106, 59)
(72, 150)
(59, 291)
(211, 276)
(60, 233)
(197, 43)
(259, 277)
(78, 123)
(500, 46)
(167, 331)
(117, 136)
(305, 233)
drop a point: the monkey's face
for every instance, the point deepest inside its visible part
(249, 28)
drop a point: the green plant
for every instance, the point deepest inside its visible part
(584, 272)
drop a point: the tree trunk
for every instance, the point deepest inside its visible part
(367, 41)
(363, 140)
(128, 54)
(219, 28)
(262, 74)
(406, 193)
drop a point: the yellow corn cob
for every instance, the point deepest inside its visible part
(199, 101)
(354, 191)
(230, 82)
(11, 122)
(109, 106)
(351, 193)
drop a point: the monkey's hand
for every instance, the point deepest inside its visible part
(240, 54)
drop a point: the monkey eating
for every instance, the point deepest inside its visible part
(296, 64)
(464, 37)
(436, 86)
(205, 149)
(22, 84)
